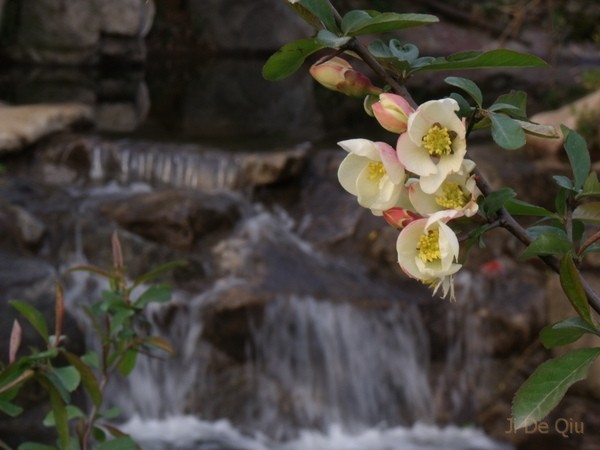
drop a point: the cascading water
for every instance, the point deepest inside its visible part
(312, 371)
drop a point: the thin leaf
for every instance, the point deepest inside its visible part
(158, 342)
(154, 294)
(88, 379)
(33, 316)
(159, 271)
(578, 154)
(60, 411)
(34, 446)
(564, 182)
(493, 202)
(127, 363)
(506, 132)
(588, 212)
(536, 129)
(59, 314)
(565, 332)
(120, 443)
(322, 10)
(468, 86)
(10, 409)
(357, 22)
(521, 208)
(547, 244)
(570, 281)
(479, 60)
(92, 269)
(289, 58)
(16, 335)
(544, 389)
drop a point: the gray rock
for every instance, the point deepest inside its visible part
(131, 18)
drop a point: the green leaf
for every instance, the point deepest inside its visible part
(10, 409)
(289, 58)
(564, 182)
(591, 186)
(73, 412)
(88, 378)
(517, 99)
(358, 22)
(570, 281)
(332, 40)
(578, 154)
(465, 109)
(544, 389)
(536, 129)
(506, 132)
(60, 411)
(69, 377)
(111, 413)
(119, 318)
(90, 359)
(127, 364)
(538, 230)
(565, 332)
(468, 86)
(33, 316)
(322, 10)
(171, 265)
(112, 300)
(560, 202)
(120, 443)
(588, 212)
(34, 446)
(478, 60)
(521, 208)
(493, 202)
(154, 294)
(547, 244)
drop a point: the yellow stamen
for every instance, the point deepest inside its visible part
(453, 196)
(438, 140)
(376, 171)
(429, 246)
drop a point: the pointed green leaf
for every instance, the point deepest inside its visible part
(591, 186)
(69, 377)
(88, 378)
(34, 446)
(60, 410)
(332, 40)
(73, 412)
(588, 212)
(120, 443)
(493, 202)
(565, 332)
(479, 60)
(154, 294)
(521, 208)
(158, 342)
(564, 182)
(322, 10)
(33, 316)
(159, 271)
(578, 154)
(468, 86)
(544, 389)
(517, 99)
(570, 281)
(127, 363)
(10, 409)
(506, 132)
(289, 58)
(358, 22)
(548, 244)
(536, 129)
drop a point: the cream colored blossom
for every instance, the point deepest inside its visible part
(428, 251)
(458, 192)
(434, 144)
(371, 171)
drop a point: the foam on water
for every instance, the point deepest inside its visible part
(190, 433)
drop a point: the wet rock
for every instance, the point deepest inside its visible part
(175, 218)
(126, 17)
(21, 227)
(23, 125)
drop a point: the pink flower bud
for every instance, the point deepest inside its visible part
(338, 75)
(392, 111)
(399, 217)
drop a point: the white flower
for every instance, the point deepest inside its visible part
(428, 251)
(371, 171)
(457, 192)
(434, 144)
